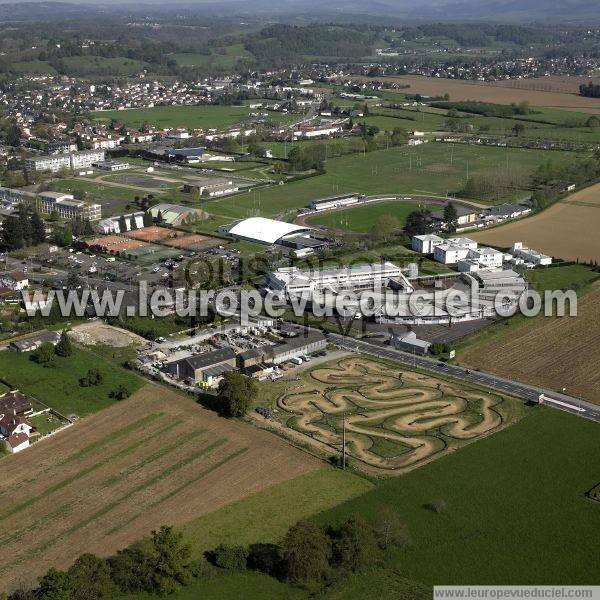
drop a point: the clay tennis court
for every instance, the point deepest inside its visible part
(156, 458)
(150, 234)
(191, 241)
(113, 244)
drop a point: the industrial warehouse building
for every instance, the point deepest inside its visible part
(409, 342)
(205, 367)
(301, 345)
(213, 186)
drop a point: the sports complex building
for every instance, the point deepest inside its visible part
(260, 230)
(389, 292)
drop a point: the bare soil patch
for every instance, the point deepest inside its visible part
(567, 230)
(548, 92)
(550, 352)
(97, 332)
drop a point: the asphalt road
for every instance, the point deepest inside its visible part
(569, 404)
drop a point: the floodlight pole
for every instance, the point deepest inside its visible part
(343, 441)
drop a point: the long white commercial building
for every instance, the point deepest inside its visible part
(294, 281)
(528, 255)
(57, 162)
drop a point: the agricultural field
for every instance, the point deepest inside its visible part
(568, 229)
(482, 535)
(545, 92)
(430, 169)
(58, 385)
(395, 420)
(569, 347)
(152, 459)
(361, 219)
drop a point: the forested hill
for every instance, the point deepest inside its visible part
(285, 43)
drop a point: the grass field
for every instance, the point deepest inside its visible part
(114, 198)
(362, 218)
(156, 458)
(58, 385)
(32, 66)
(515, 508)
(394, 420)
(192, 117)
(568, 229)
(433, 168)
(266, 516)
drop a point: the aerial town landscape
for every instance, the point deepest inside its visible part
(299, 301)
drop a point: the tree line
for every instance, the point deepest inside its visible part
(26, 228)
(163, 562)
(591, 90)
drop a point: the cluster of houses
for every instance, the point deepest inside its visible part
(15, 429)
(466, 254)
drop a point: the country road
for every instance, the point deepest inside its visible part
(527, 392)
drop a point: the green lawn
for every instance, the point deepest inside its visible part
(516, 511)
(115, 198)
(266, 516)
(362, 218)
(247, 585)
(32, 66)
(58, 386)
(561, 277)
(193, 117)
(432, 168)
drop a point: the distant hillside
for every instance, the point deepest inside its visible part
(567, 11)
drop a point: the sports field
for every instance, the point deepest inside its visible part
(429, 169)
(362, 218)
(394, 419)
(155, 458)
(191, 117)
(568, 229)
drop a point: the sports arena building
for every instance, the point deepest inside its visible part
(272, 232)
